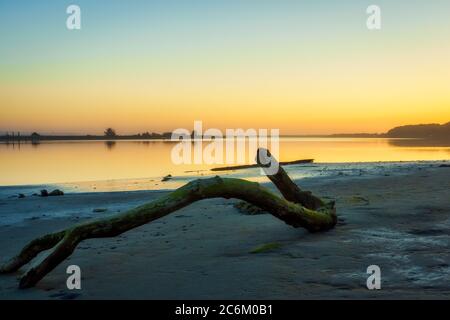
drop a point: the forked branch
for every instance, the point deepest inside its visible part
(299, 209)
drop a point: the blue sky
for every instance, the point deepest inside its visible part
(176, 55)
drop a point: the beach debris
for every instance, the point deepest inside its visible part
(56, 192)
(295, 207)
(358, 200)
(266, 247)
(167, 178)
(98, 210)
(247, 166)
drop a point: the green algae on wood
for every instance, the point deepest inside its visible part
(297, 208)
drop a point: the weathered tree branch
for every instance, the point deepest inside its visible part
(285, 185)
(298, 213)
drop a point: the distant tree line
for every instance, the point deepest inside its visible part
(109, 133)
(427, 131)
(424, 131)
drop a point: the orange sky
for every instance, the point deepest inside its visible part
(271, 72)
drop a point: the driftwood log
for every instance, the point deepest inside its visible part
(248, 166)
(298, 208)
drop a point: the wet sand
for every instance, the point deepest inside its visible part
(400, 222)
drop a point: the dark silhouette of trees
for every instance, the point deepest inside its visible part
(110, 133)
(35, 137)
(426, 131)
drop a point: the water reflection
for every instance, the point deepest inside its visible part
(73, 161)
(110, 144)
(420, 142)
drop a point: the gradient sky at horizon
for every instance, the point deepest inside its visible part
(302, 66)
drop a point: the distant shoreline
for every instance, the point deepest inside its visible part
(16, 139)
(432, 131)
(118, 138)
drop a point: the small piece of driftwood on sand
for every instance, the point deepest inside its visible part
(247, 166)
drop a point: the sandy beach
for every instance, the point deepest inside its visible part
(398, 220)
